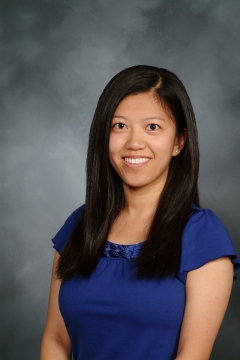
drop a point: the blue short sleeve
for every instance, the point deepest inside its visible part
(60, 239)
(205, 239)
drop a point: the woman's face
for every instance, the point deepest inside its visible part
(142, 141)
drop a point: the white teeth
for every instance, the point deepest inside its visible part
(136, 161)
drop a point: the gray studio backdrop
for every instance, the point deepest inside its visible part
(56, 58)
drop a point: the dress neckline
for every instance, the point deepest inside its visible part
(140, 243)
(129, 251)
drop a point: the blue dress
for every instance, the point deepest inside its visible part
(112, 315)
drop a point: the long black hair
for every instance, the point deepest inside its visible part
(160, 255)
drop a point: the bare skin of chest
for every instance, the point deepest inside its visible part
(129, 229)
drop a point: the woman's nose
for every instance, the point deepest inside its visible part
(135, 140)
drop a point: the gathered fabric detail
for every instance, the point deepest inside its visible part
(113, 250)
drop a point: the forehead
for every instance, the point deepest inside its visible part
(142, 105)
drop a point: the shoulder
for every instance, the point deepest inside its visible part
(204, 222)
(60, 239)
(204, 239)
(74, 216)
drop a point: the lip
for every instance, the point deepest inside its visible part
(136, 156)
(135, 165)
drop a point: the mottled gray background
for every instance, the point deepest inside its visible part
(56, 57)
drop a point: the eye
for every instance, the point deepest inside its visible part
(153, 127)
(119, 126)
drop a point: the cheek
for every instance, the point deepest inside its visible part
(164, 147)
(113, 155)
(115, 144)
(169, 141)
(111, 147)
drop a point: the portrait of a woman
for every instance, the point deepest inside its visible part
(141, 270)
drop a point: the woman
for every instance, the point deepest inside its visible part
(141, 271)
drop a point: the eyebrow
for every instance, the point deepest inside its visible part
(148, 118)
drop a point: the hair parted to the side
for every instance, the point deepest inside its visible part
(104, 192)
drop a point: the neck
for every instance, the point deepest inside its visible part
(141, 201)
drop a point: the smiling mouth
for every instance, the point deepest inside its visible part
(136, 161)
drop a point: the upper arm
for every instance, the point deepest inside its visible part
(208, 290)
(55, 327)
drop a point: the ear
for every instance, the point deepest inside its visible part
(179, 142)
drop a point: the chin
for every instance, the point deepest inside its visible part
(137, 184)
